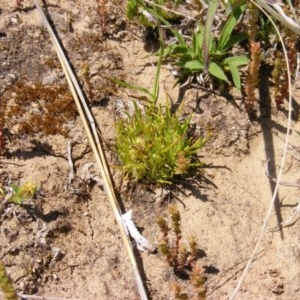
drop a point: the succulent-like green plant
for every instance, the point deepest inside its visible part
(181, 259)
(153, 145)
(23, 192)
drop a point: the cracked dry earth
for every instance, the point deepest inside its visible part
(65, 243)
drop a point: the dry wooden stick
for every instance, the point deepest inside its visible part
(34, 297)
(93, 136)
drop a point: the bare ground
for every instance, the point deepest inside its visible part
(65, 242)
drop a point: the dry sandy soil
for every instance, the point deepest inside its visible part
(65, 243)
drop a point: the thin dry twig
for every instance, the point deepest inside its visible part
(70, 161)
(289, 222)
(285, 183)
(296, 211)
(297, 67)
(32, 297)
(294, 152)
(94, 140)
(273, 8)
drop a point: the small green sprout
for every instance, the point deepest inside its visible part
(23, 192)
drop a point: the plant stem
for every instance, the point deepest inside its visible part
(159, 63)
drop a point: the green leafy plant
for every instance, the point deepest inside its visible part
(6, 285)
(209, 50)
(23, 192)
(153, 145)
(191, 60)
(204, 54)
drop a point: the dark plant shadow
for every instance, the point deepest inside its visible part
(207, 93)
(211, 270)
(267, 128)
(39, 149)
(139, 261)
(231, 273)
(197, 184)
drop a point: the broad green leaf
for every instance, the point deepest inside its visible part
(193, 65)
(239, 60)
(235, 76)
(186, 57)
(180, 49)
(217, 72)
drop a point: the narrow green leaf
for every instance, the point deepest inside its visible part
(229, 26)
(198, 41)
(131, 86)
(212, 8)
(233, 4)
(158, 67)
(235, 76)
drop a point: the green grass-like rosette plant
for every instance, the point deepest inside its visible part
(153, 145)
